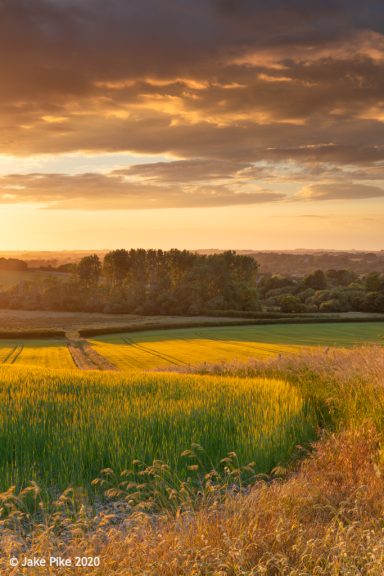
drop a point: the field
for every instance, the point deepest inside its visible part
(62, 428)
(189, 346)
(184, 348)
(41, 353)
(66, 425)
(66, 428)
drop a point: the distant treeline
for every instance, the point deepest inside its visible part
(178, 282)
(145, 282)
(329, 291)
(302, 264)
(13, 264)
(299, 263)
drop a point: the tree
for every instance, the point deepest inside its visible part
(89, 270)
(341, 277)
(332, 305)
(374, 302)
(291, 304)
(116, 266)
(373, 282)
(316, 280)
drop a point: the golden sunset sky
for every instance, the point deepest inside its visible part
(191, 124)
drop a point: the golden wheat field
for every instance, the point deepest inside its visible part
(39, 353)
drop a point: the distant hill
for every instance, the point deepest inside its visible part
(302, 262)
(297, 262)
(9, 278)
(46, 258)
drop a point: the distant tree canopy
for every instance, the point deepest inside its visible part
(146, 282)
(178, 281)
(330, 291)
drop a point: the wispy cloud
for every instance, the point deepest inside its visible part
(114, 192)
(338, 191)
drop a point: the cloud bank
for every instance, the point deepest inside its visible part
(243, 97)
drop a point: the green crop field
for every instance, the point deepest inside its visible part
(62, 428)
(39, 353)
(191, 346)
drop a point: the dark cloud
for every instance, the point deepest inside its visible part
(239, 91)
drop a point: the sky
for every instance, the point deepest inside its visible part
(238, 124)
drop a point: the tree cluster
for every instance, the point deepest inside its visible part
(145, 282)
(329, 291)
(187, 283)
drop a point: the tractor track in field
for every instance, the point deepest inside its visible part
(253, 346)
(86, 358)
(152, 352)
(13, 355)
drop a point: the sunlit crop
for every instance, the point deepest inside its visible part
(39, 353)
(144, 352)
(63, 427)
(193, 346)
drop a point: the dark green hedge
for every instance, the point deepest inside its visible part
(31, 334)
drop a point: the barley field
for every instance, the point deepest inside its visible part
(161, 349)
(61, 428)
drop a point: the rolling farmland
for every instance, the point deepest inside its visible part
(61, 427)
(162, 349)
